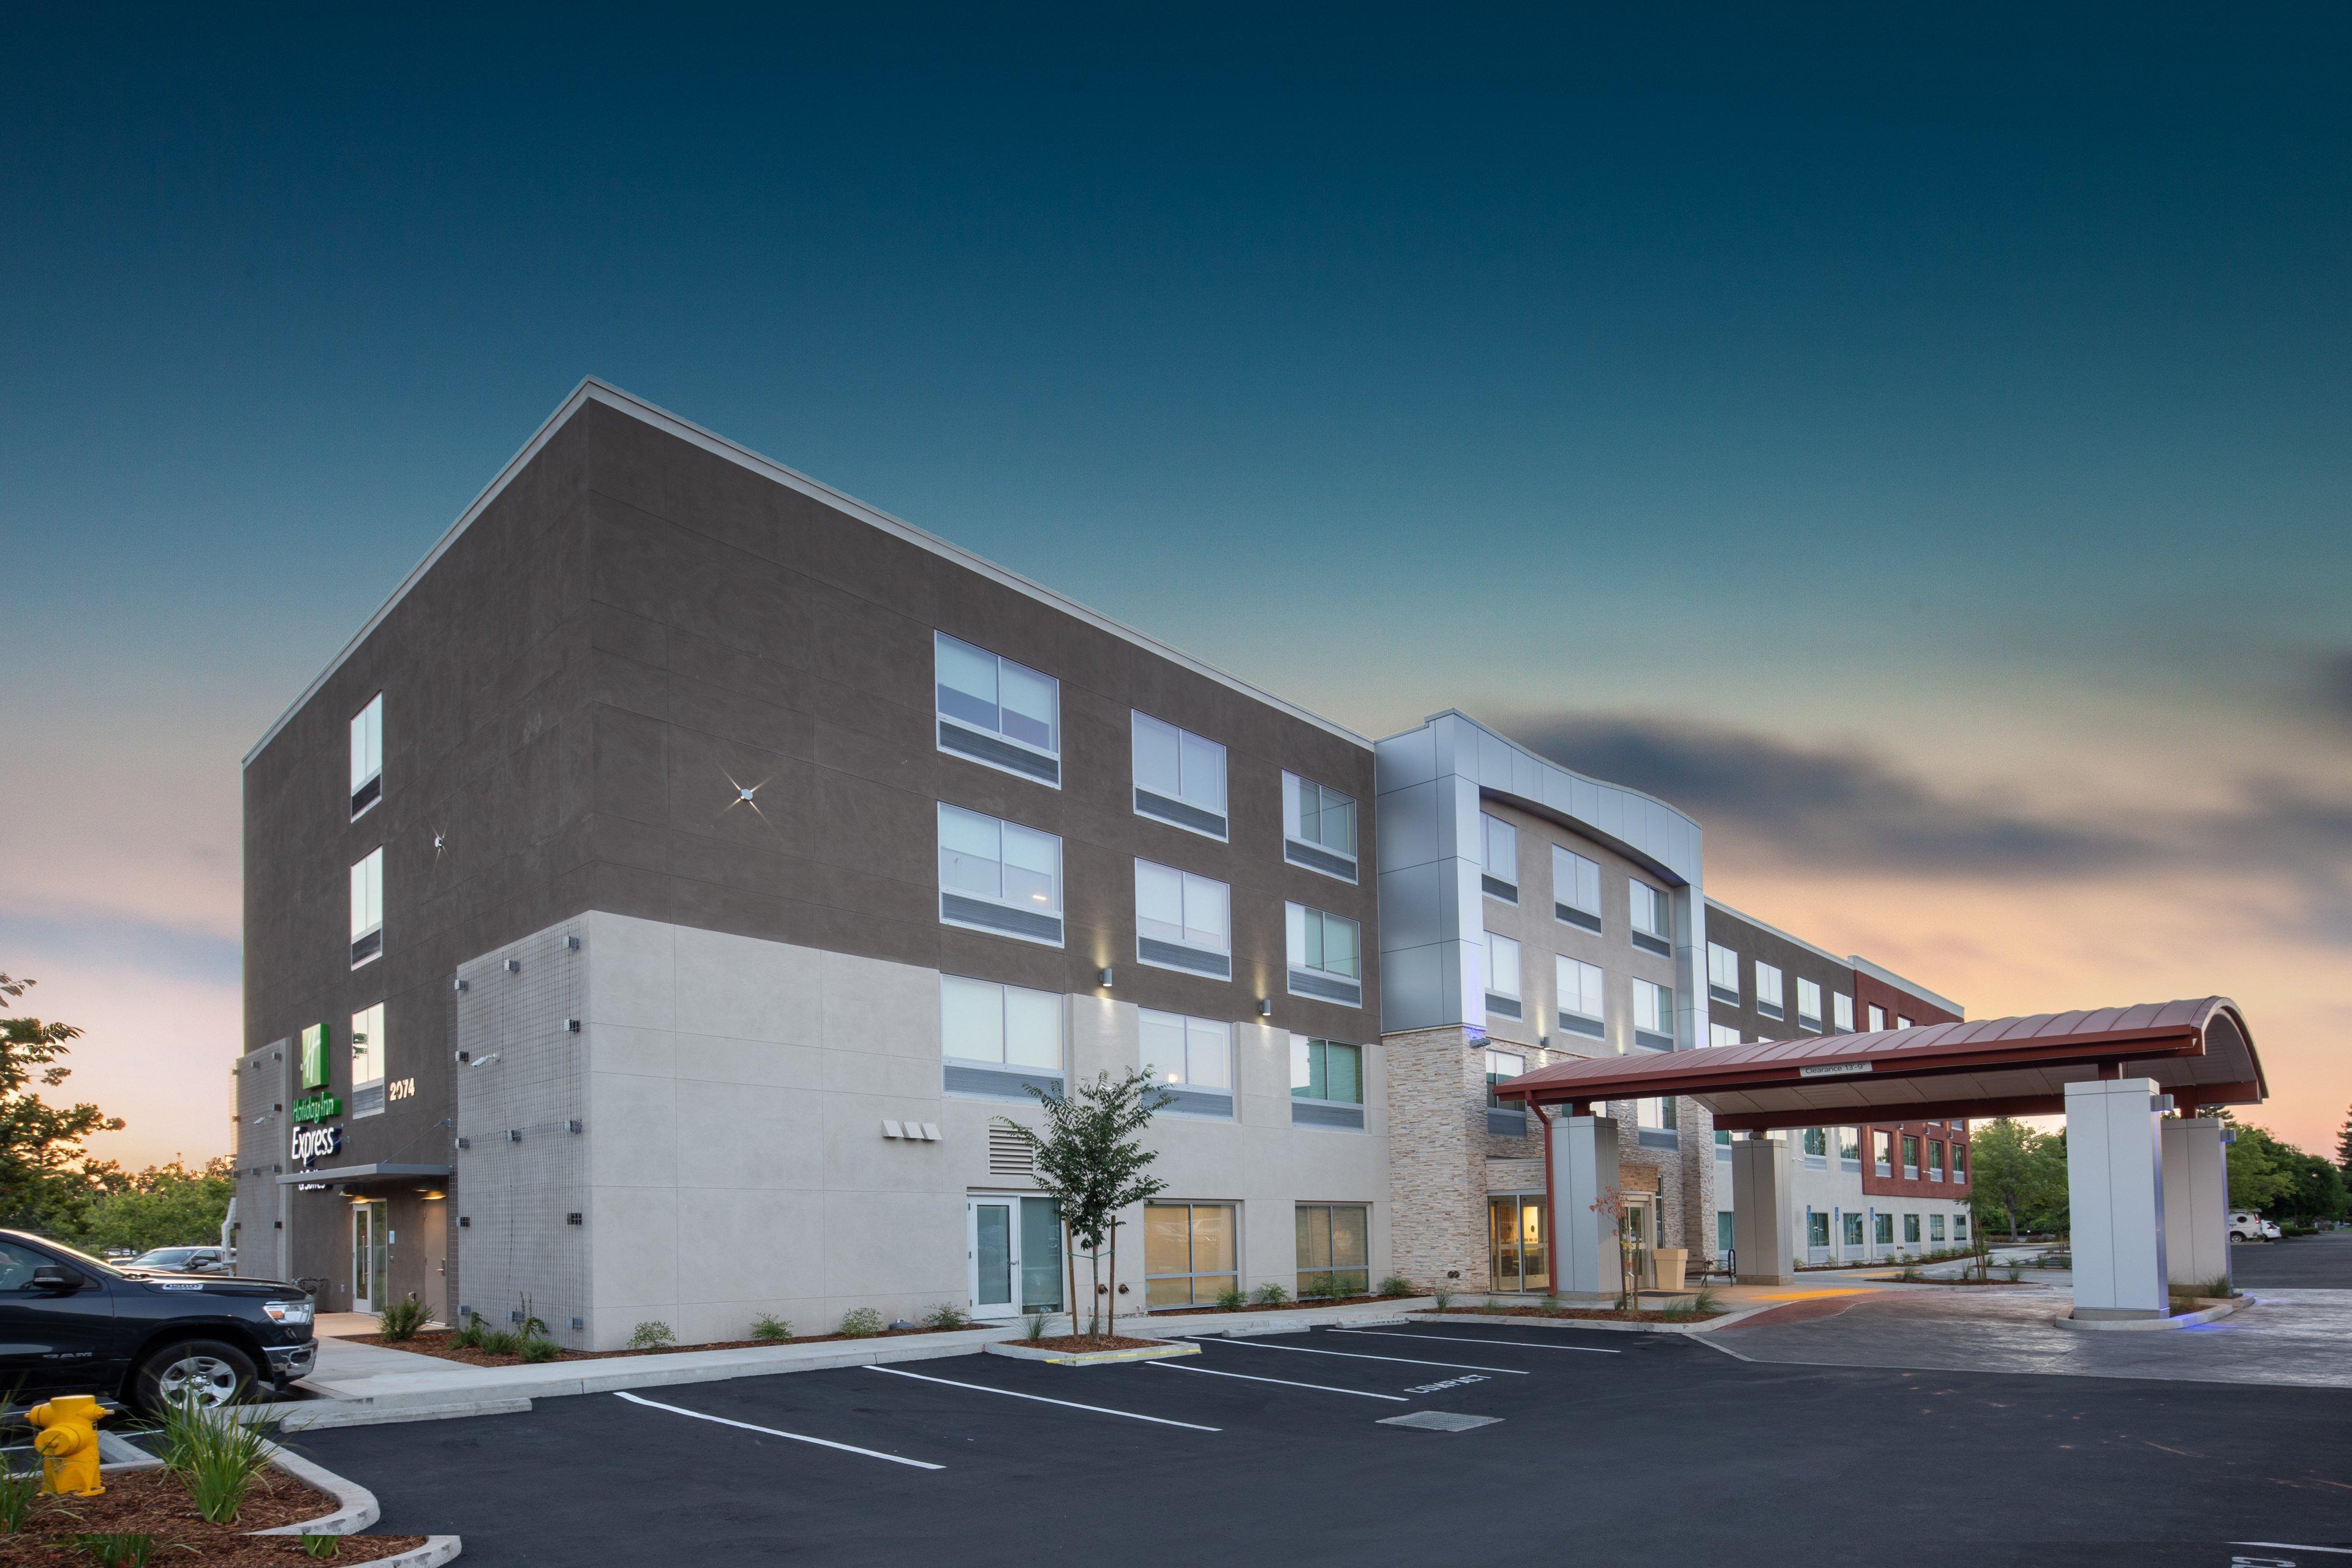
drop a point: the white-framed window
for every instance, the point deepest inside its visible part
(1882, 1152)
(1194, 1055)
(1575, 888)
(1327, 1084)
(1841, 1012)
(367, 907)
(1723, 974)
(1934, 1228)
(1850, 1146)
(1901, 1022)
(1654, 1115)
(1852, 1226)
(1182, 922)
(1911, 1160)
(1502, 1067)
(368, 1045)
(1722, 1034)
(991, 1036)
(1502, 976)
(367, 756)
(1180, 777)
(1768, 999)
(1326, 952)
(996, 713)
(1652, 930)
(1885, 1229)
(1911, 1229)
(1877, 1019)
(999, 876)
(1653, 1015)
(1498, 859)
(1808, 1002)
(1817, 1144)
(1960, 1226)
(1582, 1009)
(1960, 1162)
(1319, 828)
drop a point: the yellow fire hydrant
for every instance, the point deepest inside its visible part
(69, 1444)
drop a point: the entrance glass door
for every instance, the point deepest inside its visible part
(1013, 1246)
(370, 1243)
(1517, 1256)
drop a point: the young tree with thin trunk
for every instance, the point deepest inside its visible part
(1090, 1159)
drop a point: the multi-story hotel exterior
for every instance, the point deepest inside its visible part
(652, 912)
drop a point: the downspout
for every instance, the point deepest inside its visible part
(1552, 1220)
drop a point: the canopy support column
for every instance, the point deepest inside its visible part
(2196, 1202)
(1763, 1212)
(2115, 1186)
(1586, 1260)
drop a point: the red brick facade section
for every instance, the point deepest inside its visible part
(1869, 992)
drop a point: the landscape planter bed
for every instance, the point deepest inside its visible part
(153, 1502)
(1315, 1305)
(436, 1343)
(1596, 1314)
(1087, 1350)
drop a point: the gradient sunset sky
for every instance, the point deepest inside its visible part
(1918, 445)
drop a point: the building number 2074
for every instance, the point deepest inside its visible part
(399, 1089)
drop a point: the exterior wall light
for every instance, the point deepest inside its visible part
(1265, 1007)
(1103, 976)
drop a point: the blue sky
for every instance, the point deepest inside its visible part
(1876, 429)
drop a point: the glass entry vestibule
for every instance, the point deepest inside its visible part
(1518, 1251)
(1014, 1246)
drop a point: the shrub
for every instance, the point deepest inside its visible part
(539, 1348)
(468, 1336)
(1910, 1275)
(1551, 1301)
(1271, 1295)
(861, 1323)
(403, 1318)
(322, 1545)
(946, 1315)
(1318, 1288)
(1233, 1298)
(2016, 1270)
(217, 1455)
(651, 1335)
(1033, 1327)
(18, 1492)
(116, 1549)
(1442, 1296)
(1396, 1285)
(769, 1328)
(529, 1325)
(498, 1341)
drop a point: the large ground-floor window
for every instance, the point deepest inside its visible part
(1519, 1255)
(1886, 1230)
(1190, 1253)
(1335, 1250)
(1723, 1233)
(1911, 1230)
(1853, 1230)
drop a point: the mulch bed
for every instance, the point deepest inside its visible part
(1272, 1307)
(436, 1343)
(1071, 1344)
(152, 1502)
(1607, 1314)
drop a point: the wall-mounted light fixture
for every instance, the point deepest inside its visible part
(1103, 977)
(1265, 1007)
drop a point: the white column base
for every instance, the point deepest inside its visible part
(1585, 1257)
(1763, 1213)
(2114, 1184)
(2196, 1202)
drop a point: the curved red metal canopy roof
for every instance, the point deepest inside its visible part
(2198, 1051)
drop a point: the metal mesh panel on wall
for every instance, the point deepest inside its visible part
(264, 1082)
(522, 1241)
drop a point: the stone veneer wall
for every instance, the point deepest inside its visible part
(1437, 1137)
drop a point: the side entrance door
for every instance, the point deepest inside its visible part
(1014, 1255)
(371, 1243)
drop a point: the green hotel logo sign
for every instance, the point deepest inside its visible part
(314, 1056)
(316, 1107)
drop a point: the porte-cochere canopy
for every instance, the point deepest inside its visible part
(2198, 1051)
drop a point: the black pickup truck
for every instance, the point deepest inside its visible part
(72, 1324)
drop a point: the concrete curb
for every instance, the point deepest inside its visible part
(1246, 1325)
(1711, 1325)
(318, 1415)
(2144, 1325)
(355, 1506)
(1092, 1358)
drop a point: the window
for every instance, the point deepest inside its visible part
(1651, 930)
(1722, 975)
(1190, 1253)
(1960, 1162)
(1326, 1083)
(1959, 1227)
(1182, 922)
(1319, 828)
(1653, 1015)
(999, 876)
(1841, 1012)
(1809, 1002)
(1885, 1230)
(367, 1062)
(998, 1040)
(1910, 1157)
(1853, 1228)
(1901, 1022)
(1499, 858)
(1850, 1147)
(1882, 1152)
(996, 713)
(1934, 1228)
(1935, 1159)
(1877, 1019)
(1575, 888)
(367, 907)
(1654, 1115)
(1911, 1229)
(1335, 1250)
(1817, 1229)
(1502, 976)
(1817, 1144)
(1194, 1057)
(367, 756)
(1768, 991)
(1501, 1067)
(1516, 1259)
(1582, 1010)
(1325, 955)
(1723, 1233)
(1722, 1034)
(1180, 778)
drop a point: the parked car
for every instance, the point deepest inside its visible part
(71, 1323)
(184, 1260)
(2247, 1226)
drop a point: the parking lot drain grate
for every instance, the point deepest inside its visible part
(1439, 1421)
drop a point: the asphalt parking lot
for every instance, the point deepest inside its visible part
(1602, 1448)
(2322, 1262)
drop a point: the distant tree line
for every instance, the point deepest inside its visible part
(2019, 1177)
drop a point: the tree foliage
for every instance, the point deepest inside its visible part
(2269, 1174)
(1090, 1157)
(163, 1205)
(2018, 1176)
(47, 1181)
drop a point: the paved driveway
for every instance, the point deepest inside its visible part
(2322, 1262)
(1602, 1448)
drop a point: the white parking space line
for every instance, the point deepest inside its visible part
(1463, 1340)
(1361, 1356)
(2291, 1546)
(770, 1431)
(1041, 1399)
(1245, 1377)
